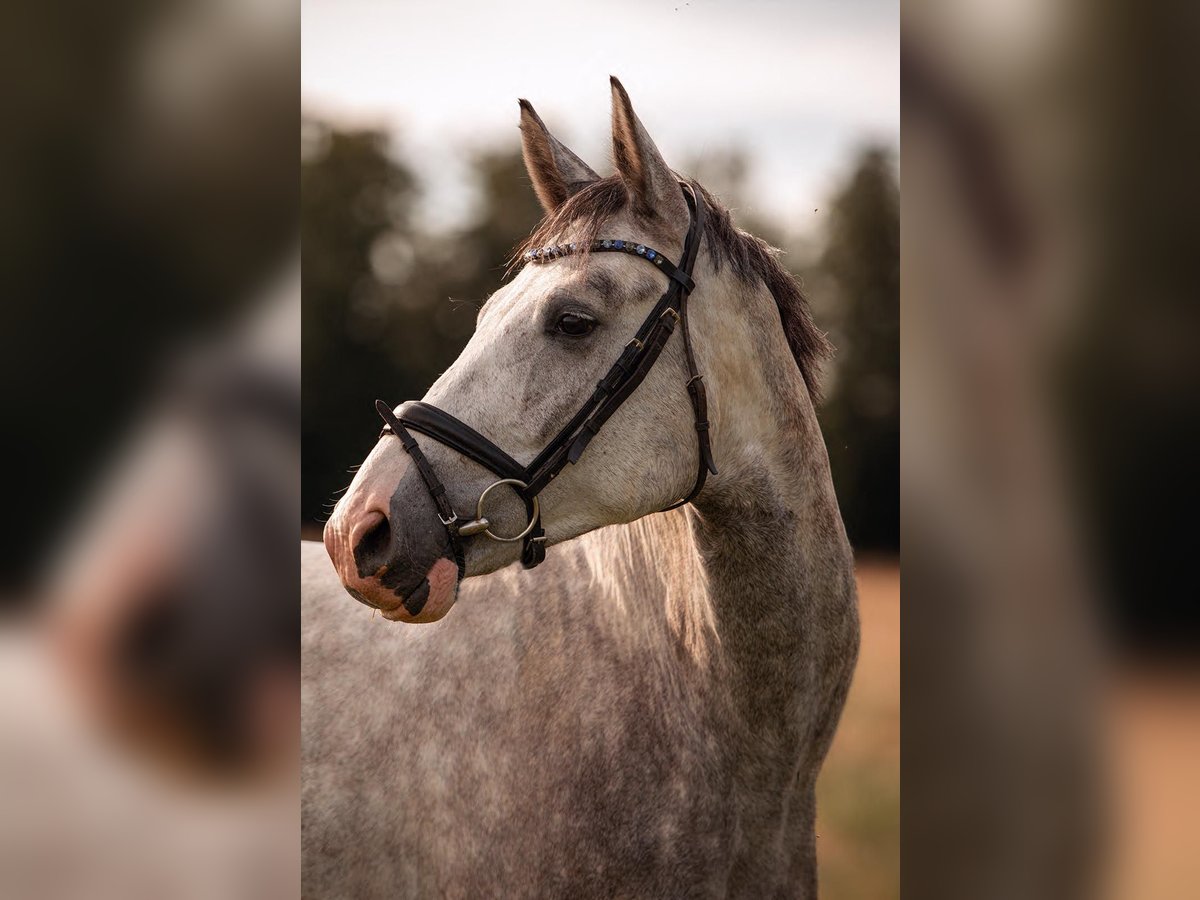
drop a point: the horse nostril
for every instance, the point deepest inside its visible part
(371, 551)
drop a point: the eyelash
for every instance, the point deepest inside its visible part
(587, 321)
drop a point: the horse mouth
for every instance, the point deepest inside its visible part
(427, 602)
(413, 604)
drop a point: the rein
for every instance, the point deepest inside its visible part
(629, 371)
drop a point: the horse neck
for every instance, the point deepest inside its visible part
(756, 580)
(769, 532)
(774, 551)
(751, 590)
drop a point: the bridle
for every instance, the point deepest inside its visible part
(630, 369)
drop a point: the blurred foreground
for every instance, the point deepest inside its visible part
(1048, 475)
(149, 710)
(82, 817)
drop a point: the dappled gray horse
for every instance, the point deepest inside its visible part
(645, 714)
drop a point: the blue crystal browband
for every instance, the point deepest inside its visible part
(557, 251)
(541, 254)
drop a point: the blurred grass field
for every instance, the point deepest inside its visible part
(858, 794)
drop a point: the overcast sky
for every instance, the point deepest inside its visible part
(798, 85)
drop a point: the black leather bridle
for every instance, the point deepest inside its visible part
(630, 369)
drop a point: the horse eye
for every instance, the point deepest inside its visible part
(574, 325)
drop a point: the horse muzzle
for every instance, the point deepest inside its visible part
(408, 578)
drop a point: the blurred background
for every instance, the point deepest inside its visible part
(413, 196)
(150, 367)
(1049, 479)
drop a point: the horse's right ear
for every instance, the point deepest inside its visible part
(555, 171)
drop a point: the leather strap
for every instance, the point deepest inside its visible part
(460, 437)
(695, 384)
(433, 484)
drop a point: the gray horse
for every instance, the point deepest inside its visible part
(645, 714)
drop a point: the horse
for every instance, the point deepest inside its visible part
(645, 713)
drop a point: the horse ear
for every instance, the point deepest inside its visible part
(556, 172)
(655, 187)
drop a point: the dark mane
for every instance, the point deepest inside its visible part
(751, 259)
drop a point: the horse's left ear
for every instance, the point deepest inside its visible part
(655, 188)
(555, 171)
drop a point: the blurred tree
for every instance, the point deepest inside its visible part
(508, 211)
(387, 305)
(858, 278)
(726, 174)
(353, 195)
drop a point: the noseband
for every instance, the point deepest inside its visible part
(630, 369)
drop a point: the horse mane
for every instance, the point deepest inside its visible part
(751, 259)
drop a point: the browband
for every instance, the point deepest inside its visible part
(556, 251)
(630, 369)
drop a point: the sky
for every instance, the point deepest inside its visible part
(799, 86)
